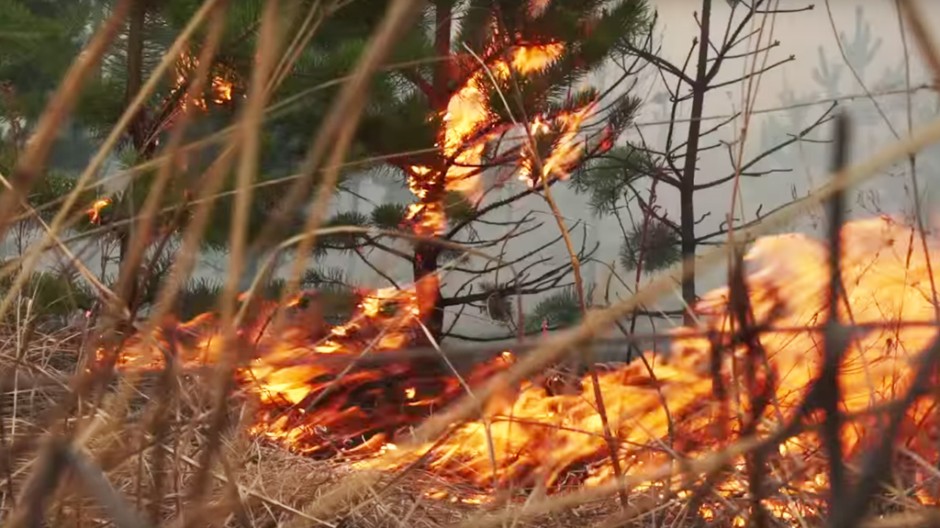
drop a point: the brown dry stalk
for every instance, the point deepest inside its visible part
(928, 45)
(183, 265)
(40, 486)
(598, 321)
(96, 485)
(84, 381)
(587, 353)
(554, 504)
(250, 125)
(303, 37)
(103, 292)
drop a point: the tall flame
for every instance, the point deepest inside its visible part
(468, 126)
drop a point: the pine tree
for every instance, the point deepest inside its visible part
(549, 48)
(485, 47)
(38, 39)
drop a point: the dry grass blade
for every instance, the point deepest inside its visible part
(172, 441)
(560, 503)
(98, 486)
(598, 321)
(928, 45)
(73, 260)
(252, 493)
(41, 486)
(128, 272)
(246, 172)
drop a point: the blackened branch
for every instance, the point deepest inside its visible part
(830, 393)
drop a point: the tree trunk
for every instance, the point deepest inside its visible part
(442, 72)
(687, 189)
(137, 130)
(426, 255)
(430, 302)
(135, 69)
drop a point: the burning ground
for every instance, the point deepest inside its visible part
(715, 386)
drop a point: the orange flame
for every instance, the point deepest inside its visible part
(544, 437)
(566, 151)
(468, 126)
(220, 85)
(94, 212)
(329, 390)
(222, 89)
(342, 391)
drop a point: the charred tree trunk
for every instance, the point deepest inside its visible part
(428, 288)
(687, 188)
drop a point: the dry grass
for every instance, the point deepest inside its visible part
(273, 485)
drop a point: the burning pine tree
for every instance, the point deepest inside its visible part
(501, 95)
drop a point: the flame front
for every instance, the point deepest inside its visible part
(664, 406)
(659, 408)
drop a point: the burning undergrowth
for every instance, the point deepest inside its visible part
(345, 392)
(326, 398)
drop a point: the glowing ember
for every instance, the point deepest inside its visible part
(222, 90)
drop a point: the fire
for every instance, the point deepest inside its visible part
(94, 212)
(530, 437)
(565, 153)
(222, 90)
(221, 85)
(468, 125)
(541, 437)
